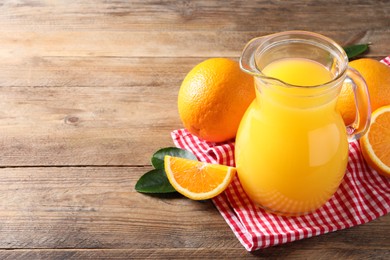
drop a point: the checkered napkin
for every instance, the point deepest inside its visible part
(363, 195)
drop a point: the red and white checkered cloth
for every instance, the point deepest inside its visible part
(363, 195)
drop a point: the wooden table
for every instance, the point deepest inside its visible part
(88, 92)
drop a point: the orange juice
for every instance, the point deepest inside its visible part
(291, 146)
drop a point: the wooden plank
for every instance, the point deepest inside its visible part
(194, 253)
(152, 253)
(194, 15)
(72, 208)
(16, 47)
(45, 71)
(85, 126)
(88, 207)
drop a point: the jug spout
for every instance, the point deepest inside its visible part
(248, 59)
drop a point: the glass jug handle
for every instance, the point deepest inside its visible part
(362, 105)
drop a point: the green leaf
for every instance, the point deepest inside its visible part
(158, 157)
(154, 181)
(355, 50)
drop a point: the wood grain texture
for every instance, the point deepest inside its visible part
(87, 207)
(139, 15)
(71, 71)
(58, 126)
(191, 253)
(88, 92)
(19, 46)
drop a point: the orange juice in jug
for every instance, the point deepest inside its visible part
(291, 147)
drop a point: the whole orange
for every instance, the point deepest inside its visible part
(377, 77)
(213, 97)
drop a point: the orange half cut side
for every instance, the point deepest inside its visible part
(197, 180)
(375, 144)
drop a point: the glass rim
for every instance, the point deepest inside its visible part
(304, 37)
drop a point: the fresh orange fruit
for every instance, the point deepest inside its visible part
(377, 77)
(375, 144)
(213, 98)
(197, 180)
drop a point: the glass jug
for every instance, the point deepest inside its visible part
(291, 147)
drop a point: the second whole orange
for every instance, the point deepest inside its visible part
(213, 97)
(377, 77)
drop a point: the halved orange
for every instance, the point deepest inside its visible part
(197, 180)
(375, 144)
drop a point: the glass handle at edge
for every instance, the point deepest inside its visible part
(362, 102)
